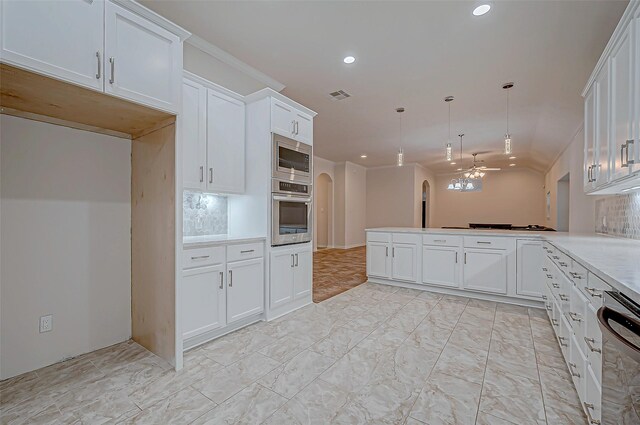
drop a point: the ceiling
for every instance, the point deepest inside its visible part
(414, 54)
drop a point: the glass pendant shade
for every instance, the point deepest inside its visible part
(449, 152)
(450, 187)
(400, 157)
(507, 144)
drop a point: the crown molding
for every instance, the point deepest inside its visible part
(232, 61)
(152, 16)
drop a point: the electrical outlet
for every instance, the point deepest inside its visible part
(46, 323)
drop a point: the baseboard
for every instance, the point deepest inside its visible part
(350, 246)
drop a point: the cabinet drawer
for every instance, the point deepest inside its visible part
(593, 397)
(577, 367)
(577, 273)
(487, 242)
(245, 251)
(378, 237)
(593, 288)
(593, 342)
(406, 238)
(562, 261)
(205, 256)
(442, 240)
(578, 308)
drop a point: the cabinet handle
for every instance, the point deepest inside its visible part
(292, 261)
(465, 258)
(211, 175)
(221, 280)
(560, 339)
(555, 257)
(230, 278)
(544, 269)
(246, 251)
(622, 156)
(456, 257)
(483, 242)
(630, 161)
(544, 297)
(393, 252)
(555, 285)
(562, 263)
(201, 173)
(589, 174)
(590, 342)
(112, 61)
(440, 240)
(571, 367)
(575, 316)
(386, 251)
(296, 127)
(554, 322)
(293, 126)
(549, 276)
(563, 297)
(296, 260)
(99, 73)
(592, 292)
(588, 407)
(575, 275)
(200, 257)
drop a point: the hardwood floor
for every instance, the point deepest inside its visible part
(337, 270)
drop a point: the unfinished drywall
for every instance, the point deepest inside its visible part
(65, 218)
(514, 196)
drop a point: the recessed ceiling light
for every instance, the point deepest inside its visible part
(512, 165)
(349, 59)
(363, 156)
(452, 163)
(512, 157)
(481, 10)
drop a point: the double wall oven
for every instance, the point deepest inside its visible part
(291, 197)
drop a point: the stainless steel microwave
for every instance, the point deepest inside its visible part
(291, 160)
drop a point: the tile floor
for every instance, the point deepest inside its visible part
(337, 270)
(373, 355)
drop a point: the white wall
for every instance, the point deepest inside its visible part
(65, 218)
(355, 205)
(423, 174)
(323, 166)
(581, 206)
(508, 196)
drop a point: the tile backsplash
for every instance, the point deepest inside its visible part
(619, 215)
(204, 214)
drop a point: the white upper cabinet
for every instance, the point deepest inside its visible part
(225, 143)
(143, 60)
(61, 39)
(621, 106)
(194, 135)
(290, 122)
(612, 112)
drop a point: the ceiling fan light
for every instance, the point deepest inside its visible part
(482, 175)
(458, 185)
(469, 186)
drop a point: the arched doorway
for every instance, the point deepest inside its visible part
(324, 211)
(426, 192)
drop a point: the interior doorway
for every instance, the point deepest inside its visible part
(324, 211)
(426, 192)
(562, 203)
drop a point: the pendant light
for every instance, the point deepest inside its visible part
(462, 183)
(507, 136)
(400, 160)
(449, 148)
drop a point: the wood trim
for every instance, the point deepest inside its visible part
(39, 95)
(153, 242)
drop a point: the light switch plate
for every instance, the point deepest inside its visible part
(46, 323)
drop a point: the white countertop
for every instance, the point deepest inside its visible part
(191, 241)
(614, 260)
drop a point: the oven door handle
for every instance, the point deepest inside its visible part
(304, 200)
(605, 314)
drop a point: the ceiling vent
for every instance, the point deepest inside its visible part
(339, 95)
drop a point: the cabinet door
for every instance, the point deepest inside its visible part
(405, 262)
(245, 289)
(485, 270)
(636, 98)
(194, 135)
(378, 260)
(440, 266)
(202, 300)
(62, 39)
(621, 105)
(282, 118)
(529, 277)
(143, 62)
(303, 274)
(225, 143)
(281, 278)
(601, 169)
(304, 128)
(589, 137)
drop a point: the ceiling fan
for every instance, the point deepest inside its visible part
(477, 171)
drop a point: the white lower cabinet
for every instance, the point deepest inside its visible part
(592, 402)
(378, 260)
(393, 256)
(440, 265)
(245, 289)
(485, 270)
(291, 276)
(528, 263)
(404, 261)
(216, 293)
(203, 300)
